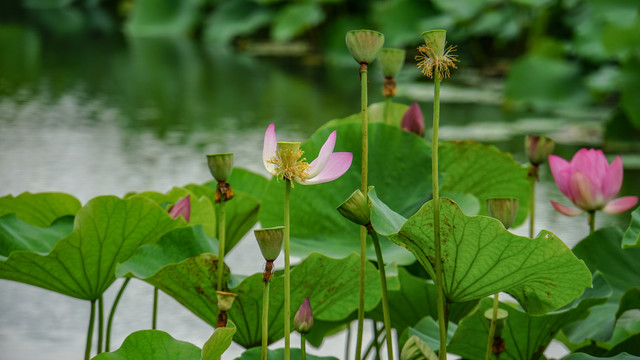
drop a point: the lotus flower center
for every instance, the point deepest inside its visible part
(290, 165)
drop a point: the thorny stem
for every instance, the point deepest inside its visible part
(532, 205)
(287, 278)
(385, 299)
(113, 312)
(436, 217)
(221, 240)
(87, 349)
(363, 230)
(100, 323)
(592, 221)
(492, 327)
(154, 317)
(265, 319)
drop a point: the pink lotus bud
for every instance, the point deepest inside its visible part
(413, 120)
(181, 208)
(303, 321)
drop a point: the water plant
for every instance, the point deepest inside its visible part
(284, 160)
(303, 322)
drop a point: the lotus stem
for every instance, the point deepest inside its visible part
(221, 241)
(87, 349)
(376, 335)
(492, 327)
(348, 345)
(154, 317)
(113, 311)
(532, 205)
(385, 299)
(100, 323)
(287, 276)
(436, 217)
(363, 229)
(265, 319)
(592, 221)
(303, 346)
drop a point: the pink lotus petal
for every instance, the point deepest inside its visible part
(561, 171)
(583, 192)
(413, 121)
(320, 162)
(612, 179)
(269, 149)
(620, 204)
(337, 165)
(181, 208)
(592, 163)
(565, 210)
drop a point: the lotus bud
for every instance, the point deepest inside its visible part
(364, 45)
(413, 121)
(181, 208)
(503, 209)
(225, 300)
(500, 320)
(391, 61)
(220, 165)
(303, 321)
(435, 40)
(270, 241)
(356, 208)
(538, 148)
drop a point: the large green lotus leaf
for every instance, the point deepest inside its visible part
(376, 113)
(278, 354)
(107, 231)
(219, 342)
(163, 17)
(583, 356)
(428, 331)
(399, 168)
(525, 336)
(631, 237)
(152, 345)
(39, 209)
(17, 235)
(485, 172)
(480, 258)
(602, 253)
(330, 284)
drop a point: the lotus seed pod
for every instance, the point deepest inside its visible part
(503, 209)
(391, 61)
(538, 148)
(501, 318)
(220, 165)
(364, 45)
(436, 40)
(270, 241)
(225, 300)
(356, 208)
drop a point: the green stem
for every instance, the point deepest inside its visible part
(492, 327)
(87, 349)
(363, 230)
(265, 319)
(221, 241)
(385, 299)
(376, 343)
(387, 110)
(532, 206)
(113, 311)
(436, 217)
(346, 348)
(592, 221)
(154, 318)
(376, 336)
(100, 323)
(287, 276)
(303, 346)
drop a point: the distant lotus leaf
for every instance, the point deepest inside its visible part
(481, 258)
(107, 230)
(39, 209)
(152, 345)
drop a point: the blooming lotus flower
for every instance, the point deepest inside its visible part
(590, 183)
(284, 160)
(181, 208)
(413, 121)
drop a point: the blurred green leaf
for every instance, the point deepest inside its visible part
(163, 17)
(631, 237)
(231, 19)
(294, 19)
(152, 345)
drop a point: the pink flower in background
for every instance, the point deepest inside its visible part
(284, 160)
(413, 121)
(181, 208)
(590, 182)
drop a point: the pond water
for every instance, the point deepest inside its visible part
(101, 114)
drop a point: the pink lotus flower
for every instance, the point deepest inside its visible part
(181, 208)
(590, 183)
(413, 121)
(284, 160)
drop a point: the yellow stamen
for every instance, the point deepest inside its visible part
(290, 165)
(429, 61)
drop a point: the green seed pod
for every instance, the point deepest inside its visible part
(220, 165)
(364, 45)
(538, 148)
(225, 300)
(500, 320)
(391, 61)
(356, 208)
(503, 209)
(435, 39)
(270, 241)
